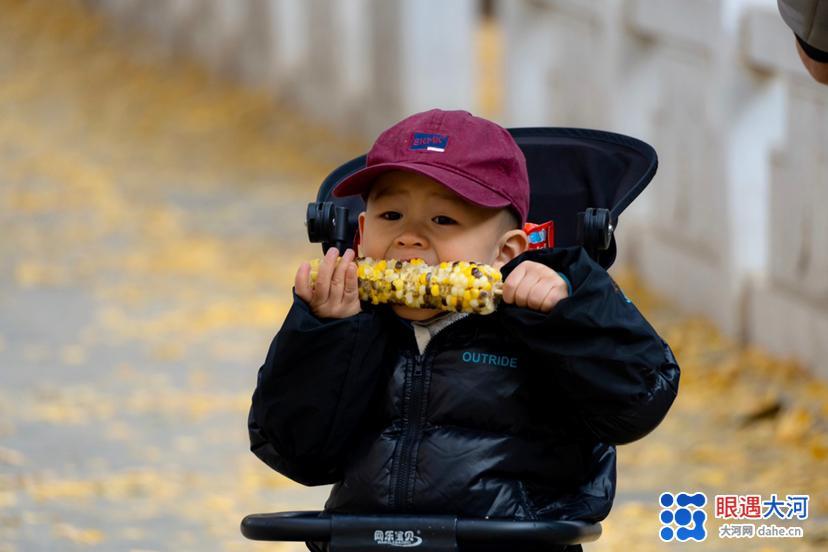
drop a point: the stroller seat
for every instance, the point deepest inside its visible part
(581, 180)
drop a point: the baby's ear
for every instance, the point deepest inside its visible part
(359, 235)
(361, 223)
(510, 245)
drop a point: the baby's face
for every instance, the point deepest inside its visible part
(412, 216)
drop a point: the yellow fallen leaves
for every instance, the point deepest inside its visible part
(6, 426)
(77, 535)
(74, 405)
(34, 273)
(68, 182)
(818, 447)
(11, 457)
(77, 405)
(187, 256)
(73, 355)
(253, 477)
(7, 500)
(191, 321)
(139, 483)
(794, 425)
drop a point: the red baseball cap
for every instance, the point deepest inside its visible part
(475, 158)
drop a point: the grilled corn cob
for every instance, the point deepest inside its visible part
(459, 286)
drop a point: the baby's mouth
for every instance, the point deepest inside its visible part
(405, 258)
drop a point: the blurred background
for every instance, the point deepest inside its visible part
(156, 159)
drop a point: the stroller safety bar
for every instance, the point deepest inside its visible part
(360, 532)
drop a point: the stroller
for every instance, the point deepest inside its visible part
(581, 180)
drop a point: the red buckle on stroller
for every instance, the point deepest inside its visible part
(540, 235)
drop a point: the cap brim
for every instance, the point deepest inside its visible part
(360, 182)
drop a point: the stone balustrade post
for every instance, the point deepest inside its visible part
(788, 306)
(572, 63)
(422, 56)
(687, 249)
(567, 61)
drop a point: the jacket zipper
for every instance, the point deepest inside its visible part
(412, 426)
(410, 436)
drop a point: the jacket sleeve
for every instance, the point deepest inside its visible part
(313, 390)
(617, 374)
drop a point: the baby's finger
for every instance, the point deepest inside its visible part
(537, 295)
(552, 298)
(524, 288)
(338, 277)
(323, 278)
(302, 284)
(512, 282)
(351, 293)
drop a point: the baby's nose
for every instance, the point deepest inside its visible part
(411, 239)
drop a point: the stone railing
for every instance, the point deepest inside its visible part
(787, 299)
(730, 227)
(354, 64)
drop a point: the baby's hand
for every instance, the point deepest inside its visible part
(335, 293)
(535, 286)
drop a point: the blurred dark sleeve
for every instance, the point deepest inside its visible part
(313, 391)
(617, 373)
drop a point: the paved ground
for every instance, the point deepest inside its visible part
(150, 225)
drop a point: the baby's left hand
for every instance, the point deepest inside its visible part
(535, 286)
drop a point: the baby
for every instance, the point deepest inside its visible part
(403, 409)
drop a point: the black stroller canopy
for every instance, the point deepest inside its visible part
(571, 171)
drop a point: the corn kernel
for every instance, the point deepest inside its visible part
(453, 286)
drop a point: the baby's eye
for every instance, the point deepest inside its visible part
(442, 219)
(391, 215)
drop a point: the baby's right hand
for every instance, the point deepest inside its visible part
(335, 293)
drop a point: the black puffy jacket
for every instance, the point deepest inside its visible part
(513, 414)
